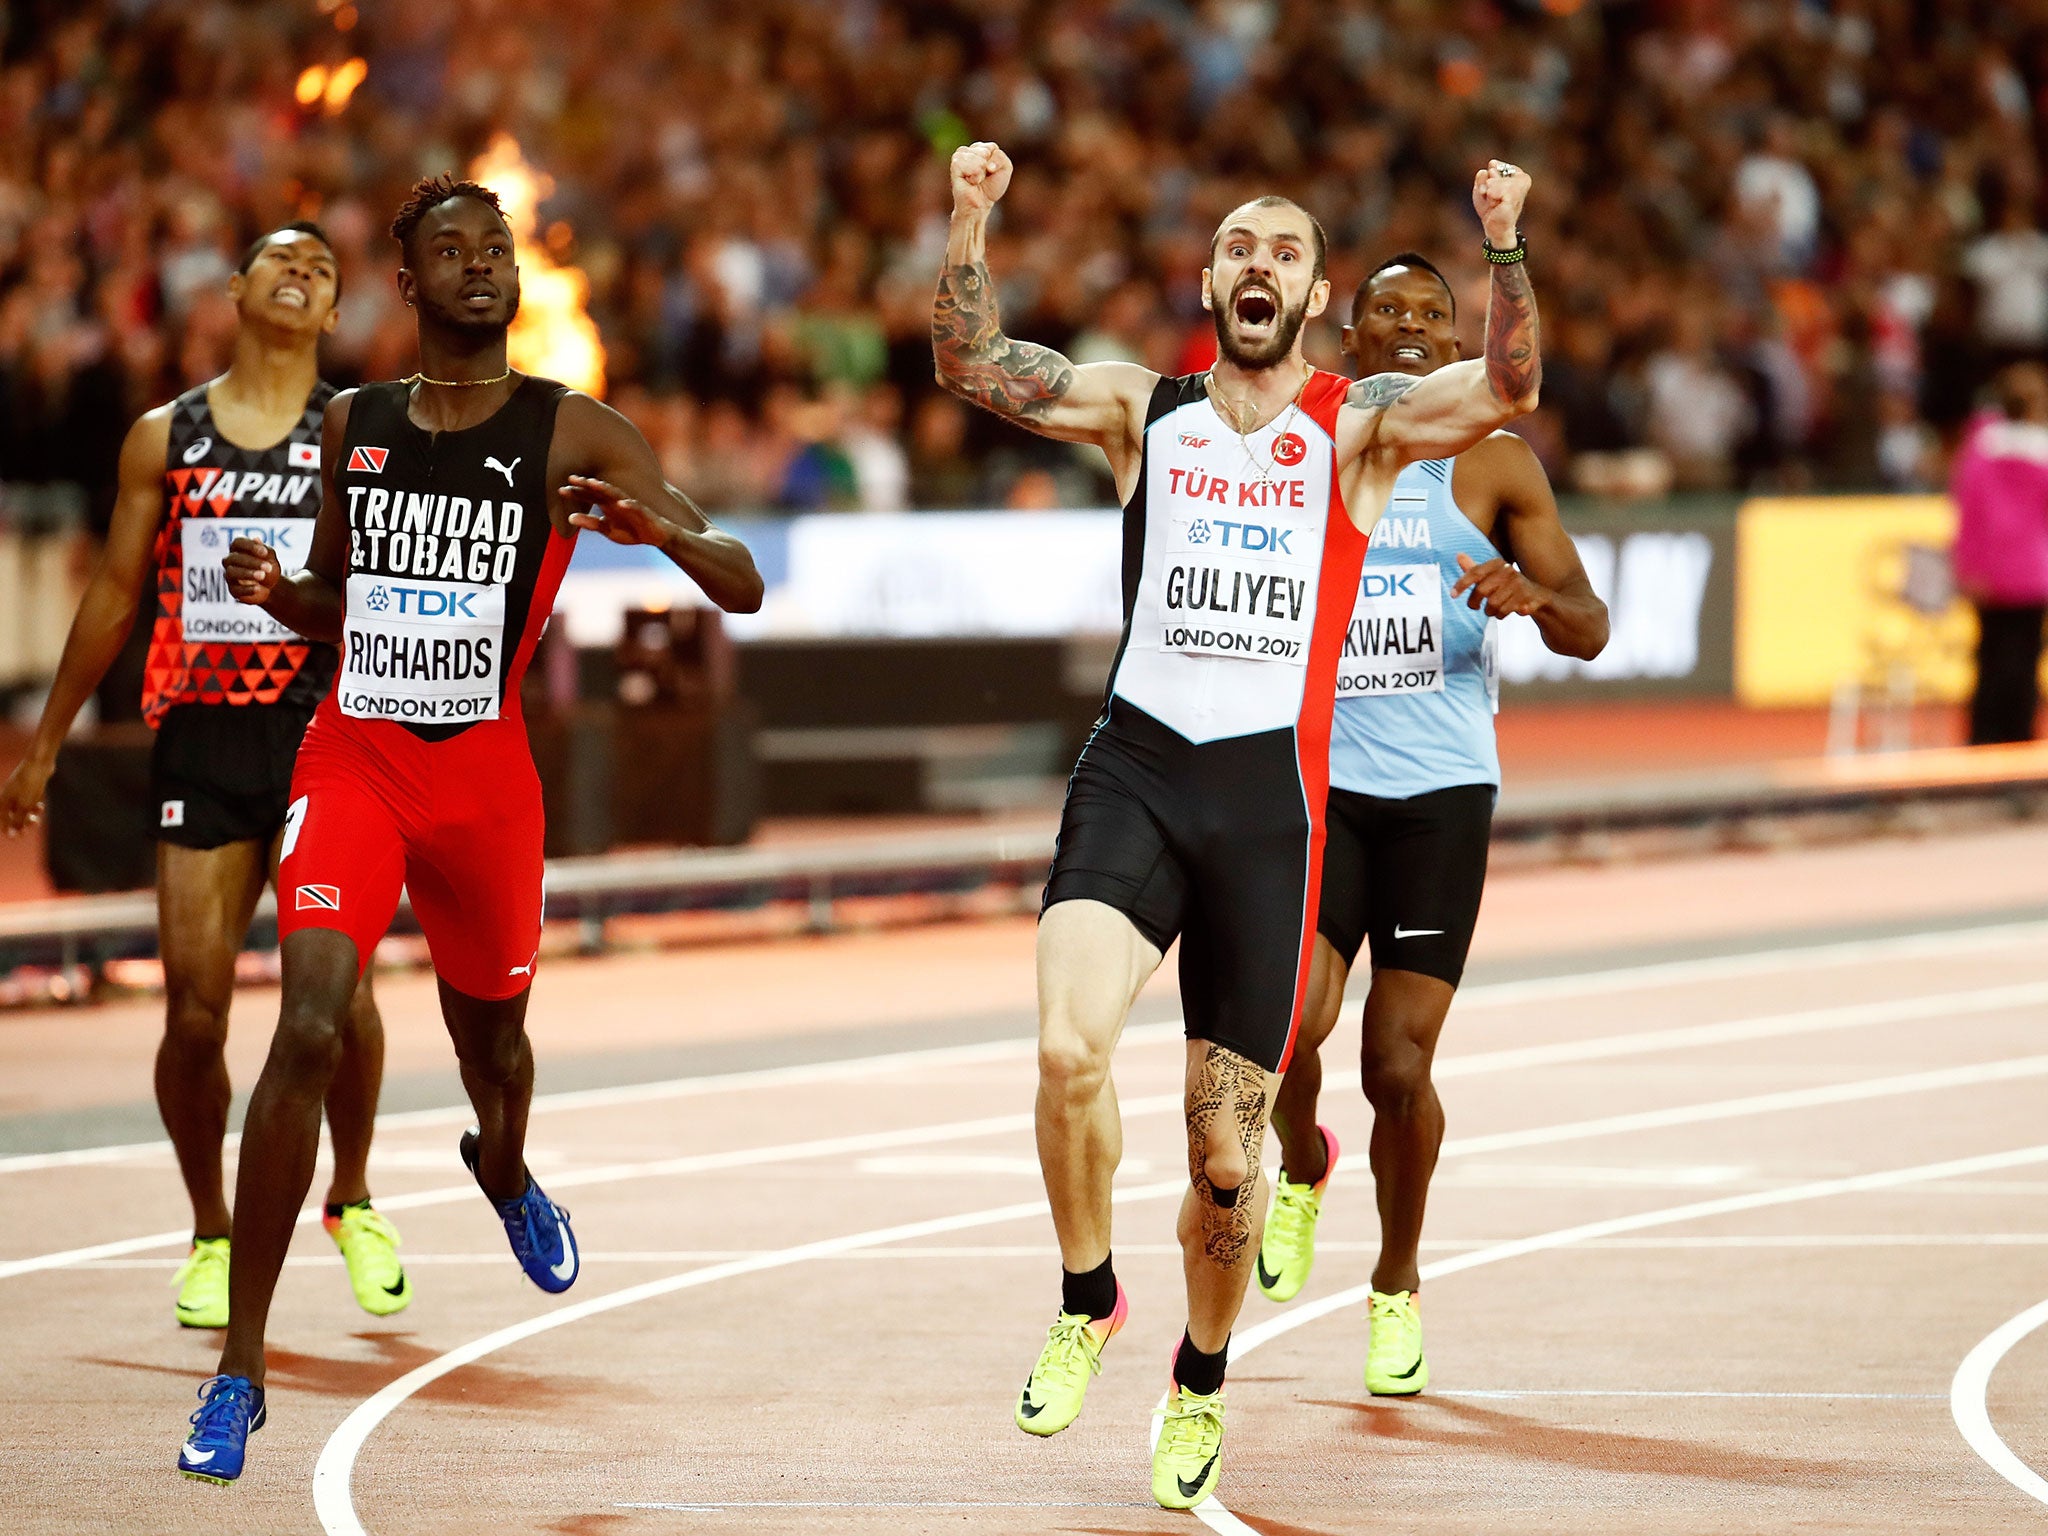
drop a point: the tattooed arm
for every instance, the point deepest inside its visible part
(1400, 418)
(1034, 386)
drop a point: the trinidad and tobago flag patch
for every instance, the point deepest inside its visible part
(367, 461)
(319, 898)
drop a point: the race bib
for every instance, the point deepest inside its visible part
(1395, 642)
(424, 652)
(1236, 588)
(207, 612)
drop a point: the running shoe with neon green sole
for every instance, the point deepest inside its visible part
(1288, 1251)
(369, 1246)
(1051, 1399)
(202, 1282)
(1394, 1366)
(1187, 1459)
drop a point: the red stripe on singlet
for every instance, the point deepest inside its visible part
(1336, 585)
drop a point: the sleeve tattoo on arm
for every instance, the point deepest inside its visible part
(1512, 364)
(1381, 390)
(978, 362)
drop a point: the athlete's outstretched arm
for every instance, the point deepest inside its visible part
(1406, 418)
(1551, 586)
(1034, 386)
(310, 600)
(611, 477)
(105, 614)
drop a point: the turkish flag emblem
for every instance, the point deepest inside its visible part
(368, 461)
(1288, 448)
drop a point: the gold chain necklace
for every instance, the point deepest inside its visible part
(421, 378)
(1244, 442)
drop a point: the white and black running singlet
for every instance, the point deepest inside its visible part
(1197, 806)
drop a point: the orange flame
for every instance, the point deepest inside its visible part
(318, 85)
(554, 334)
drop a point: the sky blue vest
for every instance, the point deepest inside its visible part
(1417, 687)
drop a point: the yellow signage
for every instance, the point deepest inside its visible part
(1834, 590)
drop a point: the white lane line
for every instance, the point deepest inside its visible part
(335, 1505)
(335, 1466)
(1218, 1518)
(1790, 1397)
(616, 1173)
(1942, 1005)
(1492, 994)
(1967, 1396)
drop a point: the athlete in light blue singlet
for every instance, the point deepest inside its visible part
(1463, 543)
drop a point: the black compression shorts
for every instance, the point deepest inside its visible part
(1408, 875)
(1210, 842)
(222, 773)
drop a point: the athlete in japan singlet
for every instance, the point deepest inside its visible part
(204, 647)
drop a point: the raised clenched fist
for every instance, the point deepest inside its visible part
(1498, 193)
(252, 571)
(981, 175)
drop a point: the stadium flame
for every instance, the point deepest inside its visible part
(554, 334)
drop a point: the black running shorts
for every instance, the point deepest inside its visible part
(222, 773)
(1408, 875)
(1208, 842)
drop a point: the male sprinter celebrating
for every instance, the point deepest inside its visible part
(452, 500)
(229, 693)
(1196, 808)
(1413, 775)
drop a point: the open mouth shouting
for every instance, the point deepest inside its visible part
(1256, 309)
(290, 295)
(1409, 352)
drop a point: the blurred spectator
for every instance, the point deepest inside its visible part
(1856, 182)
(2001, 550)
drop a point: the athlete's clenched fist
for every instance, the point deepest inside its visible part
(1498, 193)
(252, 571)
(981, 175)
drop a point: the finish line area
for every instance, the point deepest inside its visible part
(1736, 1228)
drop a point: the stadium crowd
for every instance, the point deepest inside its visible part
(1779, 243)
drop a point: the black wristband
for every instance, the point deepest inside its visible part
(1507, 258)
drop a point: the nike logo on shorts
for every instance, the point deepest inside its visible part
(1416, 933)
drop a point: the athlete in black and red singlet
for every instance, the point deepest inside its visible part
(451, 503)
(229, 691)
(1196, 810)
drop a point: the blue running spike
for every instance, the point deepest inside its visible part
(537, 1228)
(230, 1410)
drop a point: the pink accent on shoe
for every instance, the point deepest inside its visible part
(1329, 1156)
(1106, 1328)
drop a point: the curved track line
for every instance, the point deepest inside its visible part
(334, 1468)
(1490, 994)
(1952, 1005)
(334, 1503)
(1218, 1518)
(1966, 1401)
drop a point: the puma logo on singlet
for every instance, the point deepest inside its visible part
(504, 469)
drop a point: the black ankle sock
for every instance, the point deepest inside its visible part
(1199, 1372)
(336, 1207)
(1092, 1294)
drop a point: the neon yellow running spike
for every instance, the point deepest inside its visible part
(202, 1282)
(1288, 1250)
(1051, 1399)
(369, 1246)
(1187, 1460)
(1394, 1366)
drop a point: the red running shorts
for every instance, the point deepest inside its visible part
(457, 823)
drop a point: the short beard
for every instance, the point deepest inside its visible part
(1268, 353)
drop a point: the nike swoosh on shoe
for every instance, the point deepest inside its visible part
(197, 1458)
(1187, 1489)
(1266, 1276)
(567, 1267)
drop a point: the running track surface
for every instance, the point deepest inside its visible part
(1778, 1123)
